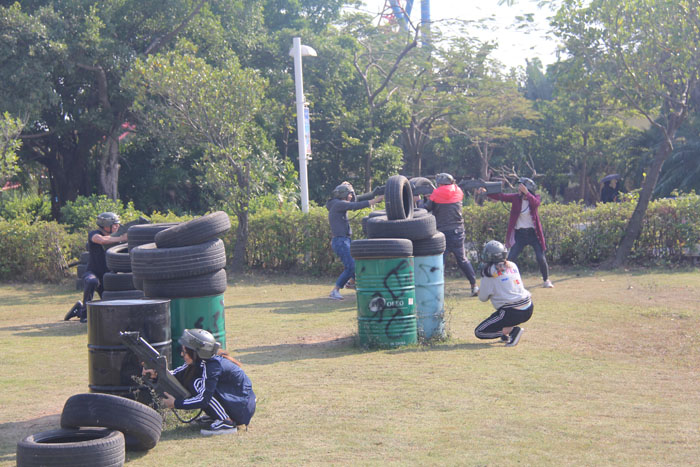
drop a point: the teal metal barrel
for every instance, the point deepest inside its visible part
(112, 367)
(430, 296)
(200, 313)
(386, 312)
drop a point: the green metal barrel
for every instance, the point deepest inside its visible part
(386, 311)
(200, 313)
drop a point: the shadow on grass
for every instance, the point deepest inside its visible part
(12, 432)
(311, 306)
(60, 328)
(269, 354)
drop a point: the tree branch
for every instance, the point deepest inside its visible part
(159, 42)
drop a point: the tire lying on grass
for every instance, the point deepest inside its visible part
(213, 283)
(140, 424)
(199, 230)
(87, 447)
(151, 263)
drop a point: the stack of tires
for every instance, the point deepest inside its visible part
(118, 284)
(142, 235)
(96, 430)
(185, 263)
(402, 220)
(82, 267)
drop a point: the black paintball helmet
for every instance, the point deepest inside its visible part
(444, 179)
(421, 184)
(107, 220)
(201, 341)
(342, 191)
(494, 252)
(529, 184)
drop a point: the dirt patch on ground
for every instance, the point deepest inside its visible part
(327, 340)
(12, 432)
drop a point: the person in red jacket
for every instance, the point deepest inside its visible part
(524, 226)
(445, 203)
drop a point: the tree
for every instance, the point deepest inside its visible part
(489, 111)
(214, 110)
(10, 128)
(379, 54)
(66, 60)
(649, 51)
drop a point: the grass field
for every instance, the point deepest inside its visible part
(606, 374)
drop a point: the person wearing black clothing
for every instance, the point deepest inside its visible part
(609, 194)
(108, 223)
(342, 201)
(446, 205)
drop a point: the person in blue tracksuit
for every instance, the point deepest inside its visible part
(218, 384)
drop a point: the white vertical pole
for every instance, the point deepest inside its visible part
(301, 130)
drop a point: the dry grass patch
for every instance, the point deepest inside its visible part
(606, 373)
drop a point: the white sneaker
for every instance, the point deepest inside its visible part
(475, 291)
(335, 295)
(219, 427)
(548, 284)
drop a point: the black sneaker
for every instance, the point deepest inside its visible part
(515, 336)
(219, 427)
(505, 339)
(74, 312)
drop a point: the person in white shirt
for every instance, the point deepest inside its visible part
(501, 283)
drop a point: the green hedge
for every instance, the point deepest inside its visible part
(290, 241)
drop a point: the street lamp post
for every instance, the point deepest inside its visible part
(297, 51)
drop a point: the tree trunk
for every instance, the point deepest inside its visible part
(109, 166)
(634, 226)
(368, 168)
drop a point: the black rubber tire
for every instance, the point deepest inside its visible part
(378, 212)
(140, 424)
(213, 283)
(417, 212)
(194, 232)
(138, 281)
(149, 262)
(398, 197)
(84, 257)
(146, 233)
(118, 259)
(430, 246)
(381, 248)
(413, 229)
(88, 447)
(118, 281)
(81, 270)
(122, 294)
(364, 225)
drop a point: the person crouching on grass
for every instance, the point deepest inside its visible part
(219, 385)
(501, 283)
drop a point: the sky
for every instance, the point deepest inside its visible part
(514, 46)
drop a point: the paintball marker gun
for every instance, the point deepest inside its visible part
(123, 228)
(491, 187)
(152, 360)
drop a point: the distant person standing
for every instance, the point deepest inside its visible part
(609, 193)
(343, 200)
(445, 203)
(108, 223)
(524, 226)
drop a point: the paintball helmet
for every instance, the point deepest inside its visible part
(107, 219)
(529, 184)
(494, 252)
(201, 341)
(444, 179)
(342, 191)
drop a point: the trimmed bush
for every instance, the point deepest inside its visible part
(291, 241)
